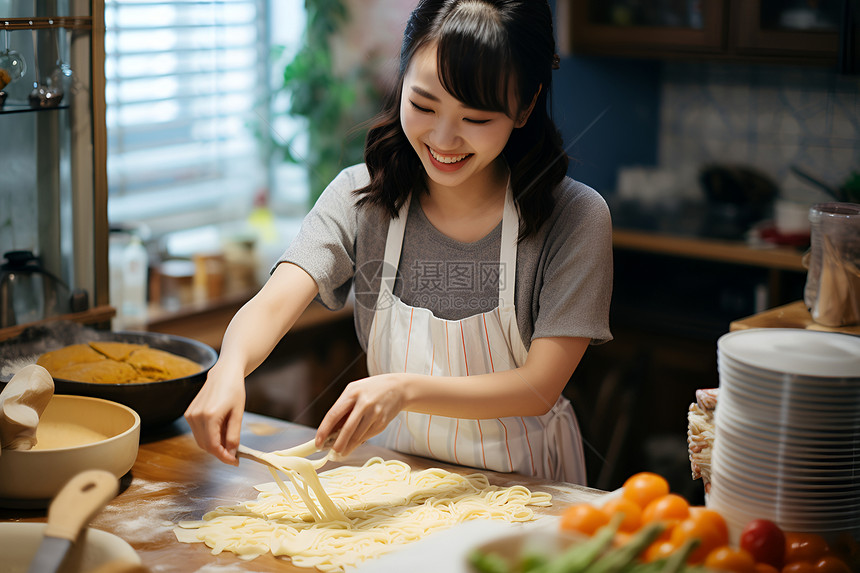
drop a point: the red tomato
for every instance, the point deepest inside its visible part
(765, 568)
(643, 487)
(799, 567)
(765, 541)
(804, 547)
(831, 564)
(584, 518)
(727, 559)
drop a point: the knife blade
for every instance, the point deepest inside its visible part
(73, 507)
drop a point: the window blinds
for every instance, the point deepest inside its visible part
(185, 90)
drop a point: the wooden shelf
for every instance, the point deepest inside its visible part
(97, 315)
(45, 22)
(207, 322)
(778, 258)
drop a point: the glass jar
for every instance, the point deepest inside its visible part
(832, 290)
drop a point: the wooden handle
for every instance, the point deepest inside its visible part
(80, 499)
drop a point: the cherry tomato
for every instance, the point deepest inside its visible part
(632, 513)
(804, 547)
(765, 568)
(643, 487)
(799, 567)
(621, 538)
(726, 558)
(765, 541)
(584, 518)
(705, 525)
(669, 507)
(713, 520)
(658, 550)
(831, 564)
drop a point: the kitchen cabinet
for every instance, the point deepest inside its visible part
(53, 192)
(796, 31)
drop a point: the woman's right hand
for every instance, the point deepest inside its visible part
(215, 414)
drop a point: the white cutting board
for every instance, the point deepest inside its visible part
(447, 550)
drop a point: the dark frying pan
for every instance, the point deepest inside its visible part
(157, 403)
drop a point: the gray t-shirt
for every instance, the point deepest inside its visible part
(563, 279)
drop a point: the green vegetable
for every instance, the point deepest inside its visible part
(580, 556)
(532, 561)
(618, 559)
(641, 567)
(677, 561)
(488, 562)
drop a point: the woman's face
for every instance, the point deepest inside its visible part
(456, 144)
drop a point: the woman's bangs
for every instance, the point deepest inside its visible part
(475, 71)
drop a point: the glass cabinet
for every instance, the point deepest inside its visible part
(643, 28)
(816, 32)
(806, 28)
(53, 183)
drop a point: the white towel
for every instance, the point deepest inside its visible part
(21, 405)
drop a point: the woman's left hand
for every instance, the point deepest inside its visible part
(363, 410)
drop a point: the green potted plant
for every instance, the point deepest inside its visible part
(334, 104)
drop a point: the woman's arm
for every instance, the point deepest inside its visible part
(366, 406)
(215, 414)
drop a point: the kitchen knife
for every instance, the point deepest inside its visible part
(71, 509)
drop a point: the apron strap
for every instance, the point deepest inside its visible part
(508, 251)
(393, 246)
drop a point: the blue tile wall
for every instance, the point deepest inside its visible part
(763, 116)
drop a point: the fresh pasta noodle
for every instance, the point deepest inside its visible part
(700, 434)
(384, 503)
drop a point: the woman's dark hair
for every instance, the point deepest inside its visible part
(483, 48)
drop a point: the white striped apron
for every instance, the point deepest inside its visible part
(412, 339)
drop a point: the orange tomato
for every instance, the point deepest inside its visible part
(831, 564)
(725, 558)
(705, 525)
(643, 487)
(584, 518)
(713, 520)
(658, 550)
(804, 547)
(621, 538)
(765, 568)
(669, 507)
(632, 513)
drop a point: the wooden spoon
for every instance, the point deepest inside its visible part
(70, 511)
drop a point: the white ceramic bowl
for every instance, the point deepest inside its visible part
(75, 433)
(19, 542)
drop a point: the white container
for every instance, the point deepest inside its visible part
(95, 548)
(135, 267)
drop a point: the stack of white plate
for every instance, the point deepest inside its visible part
(787, 431)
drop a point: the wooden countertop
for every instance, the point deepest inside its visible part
(792, 315)
(737, 252)
(173, 480)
